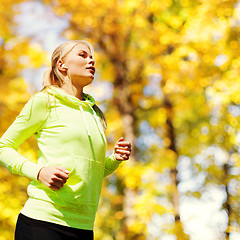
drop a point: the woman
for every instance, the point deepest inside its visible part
(69, 127)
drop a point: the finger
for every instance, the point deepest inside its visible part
(124, 143)
(123, 148)
(55, 186)
(61, 174)
(63, 169)
(51, 185)
(125, 156)
(120, 157)
(126, 148)
(122, 151)
(58, 180)
(57, 183)
(120, 139)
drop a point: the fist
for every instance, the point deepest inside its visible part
(53, 177)
(122, 150)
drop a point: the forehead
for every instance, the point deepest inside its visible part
(81, 47)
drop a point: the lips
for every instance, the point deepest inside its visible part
(92, 69)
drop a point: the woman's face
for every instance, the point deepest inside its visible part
(80, 64)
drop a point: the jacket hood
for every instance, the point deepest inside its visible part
(70, 99)
(87, 102)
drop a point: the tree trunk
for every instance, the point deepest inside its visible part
(125, 107)
(130, 194)
(174, 195)
(227, 204)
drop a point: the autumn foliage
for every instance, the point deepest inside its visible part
(173, 70)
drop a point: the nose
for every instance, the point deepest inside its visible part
(92, 61)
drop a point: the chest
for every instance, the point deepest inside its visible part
(72, 125)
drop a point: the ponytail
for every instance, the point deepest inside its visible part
(50, 78)
(101, 115)
(46, 78)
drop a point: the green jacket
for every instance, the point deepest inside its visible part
(69, 134)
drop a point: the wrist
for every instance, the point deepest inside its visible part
(39, 173)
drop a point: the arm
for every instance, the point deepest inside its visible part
(122, 151)
(111, 164)
(28, 122)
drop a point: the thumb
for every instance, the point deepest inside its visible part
(63, 169)
(120, 139)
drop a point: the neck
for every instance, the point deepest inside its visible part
(72, 90)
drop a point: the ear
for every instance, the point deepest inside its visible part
(61, 66)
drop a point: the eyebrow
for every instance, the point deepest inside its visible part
(85, 52)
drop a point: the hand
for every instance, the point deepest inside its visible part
(53, 177)
(122, 150)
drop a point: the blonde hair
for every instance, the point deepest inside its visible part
(56, 78)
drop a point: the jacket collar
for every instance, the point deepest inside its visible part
(70, 99)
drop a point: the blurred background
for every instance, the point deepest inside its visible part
(168, 80)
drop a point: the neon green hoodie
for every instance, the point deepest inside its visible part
(69, 134)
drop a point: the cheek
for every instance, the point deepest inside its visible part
(81, 62)
(78, 68)
(78, 63)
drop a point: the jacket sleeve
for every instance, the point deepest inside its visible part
(111, 164)
(28, 122)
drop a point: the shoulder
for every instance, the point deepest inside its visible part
(36, 106)
(40, 96)
(38, 101)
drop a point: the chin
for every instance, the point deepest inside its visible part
(89, 82)
(83, 80)
(86, 81)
